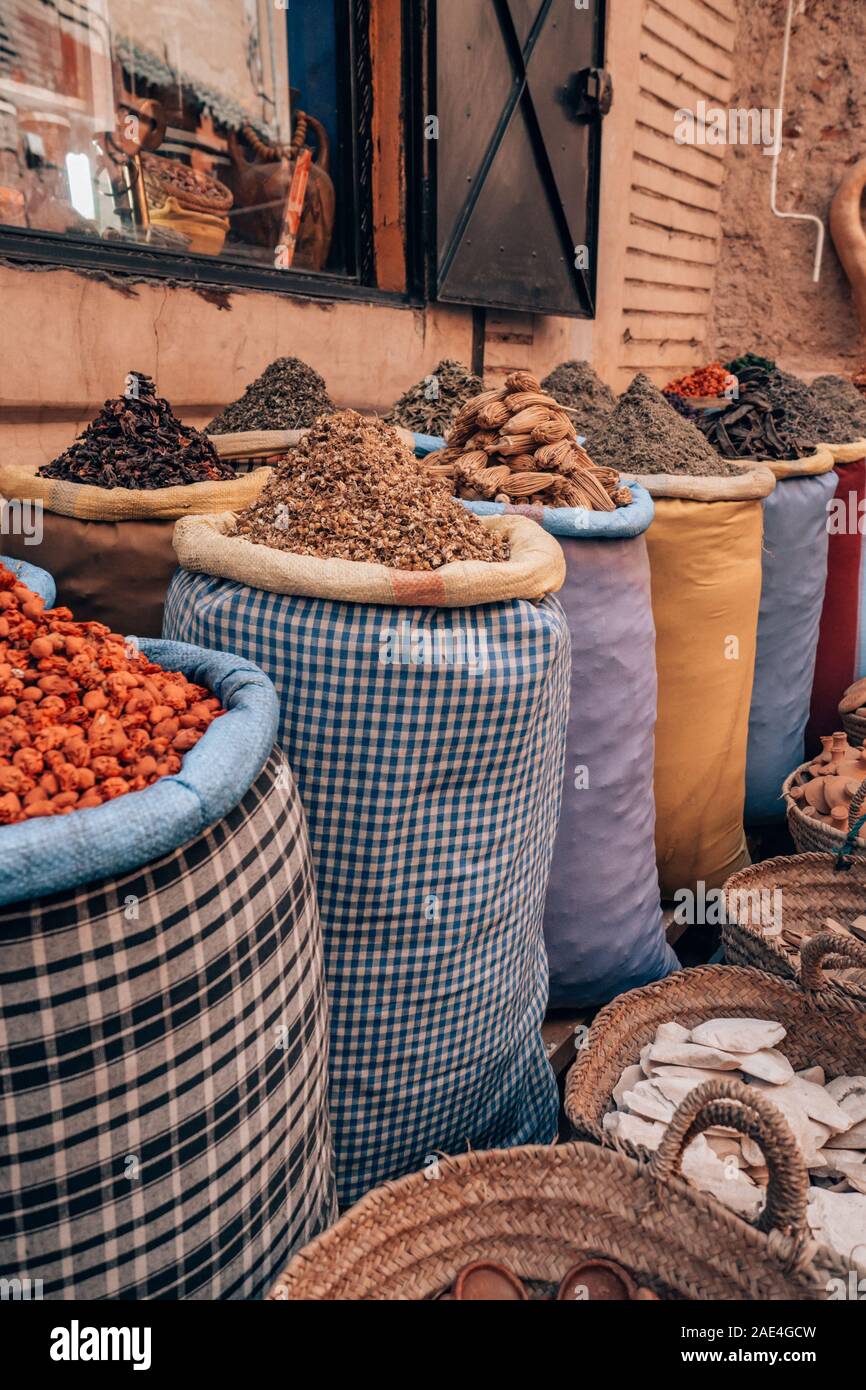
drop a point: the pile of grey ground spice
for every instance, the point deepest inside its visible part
(429, 407)
(843, 406)
(644, 435)
(576, 385)
(352, 491)
(289, 395)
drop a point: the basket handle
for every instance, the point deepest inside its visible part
(828, 951)
(730, 1103)
(855, 823)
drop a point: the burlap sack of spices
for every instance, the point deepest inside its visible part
(164, 998)
(841, 657)
(206, 545)
(793, 580)
(705, 564)
(109, 549)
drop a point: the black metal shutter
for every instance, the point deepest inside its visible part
(516, 165)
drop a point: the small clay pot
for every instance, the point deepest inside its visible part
(602, 1281)
(483, 1281)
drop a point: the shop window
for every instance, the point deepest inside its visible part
(219, 133)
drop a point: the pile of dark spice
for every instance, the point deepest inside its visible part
(775, 415)
(351, 490)
(576, 385)
(429, 407)
(644, 435)
(137, 441)
(288, 395)
(844, 407)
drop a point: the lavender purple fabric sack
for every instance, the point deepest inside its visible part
(603, 923)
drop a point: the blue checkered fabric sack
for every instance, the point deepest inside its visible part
(39, 580)
(428, 747)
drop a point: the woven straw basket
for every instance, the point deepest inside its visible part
(823, 1027)
(811, 836)
(811, 888)
(538, 1210)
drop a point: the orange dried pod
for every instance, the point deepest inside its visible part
(41, 647)
(49, 784)
(29, 760)
(95, 699)
(38, 808)
(64, 799)
(158, 713)
(7, 704)
(145, 767)
(10, 808)
(85, 778)
(185, 740)
(67, 776)
(105, 767)
(166, 728)
(114, 787)
(91, 798)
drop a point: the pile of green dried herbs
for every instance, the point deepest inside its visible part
(289, 395)
(644, 435)
(576, 385)
(429, 407)
(844, 407)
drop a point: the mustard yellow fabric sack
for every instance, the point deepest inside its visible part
(705, 562)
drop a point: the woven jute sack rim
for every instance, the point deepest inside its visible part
(244, 444)
(848, 453)
(811, 881)
(808, 834)
(755, 482)
(205, 545)
(812, 465)
(538, 1209)
(86, 503)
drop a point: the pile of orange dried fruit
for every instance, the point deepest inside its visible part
(83, 717)
(712, 380)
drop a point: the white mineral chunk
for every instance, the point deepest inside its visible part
(838, 1219)
(810, 1136)
(752, 1153)
(850, 1093)
(644, 1100)
(853, 1138)
(814, 1074)
(686, 1054)
(630, 1077)
(671, 1032)
(726, 1146)
(676, 1088)
(695, 1073)
(768, 1065)
(817, 1103)
(846, 1163)
(633, 1129)
(722, 1179)
(745, 1035)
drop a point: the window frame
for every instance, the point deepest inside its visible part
(62, 249)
